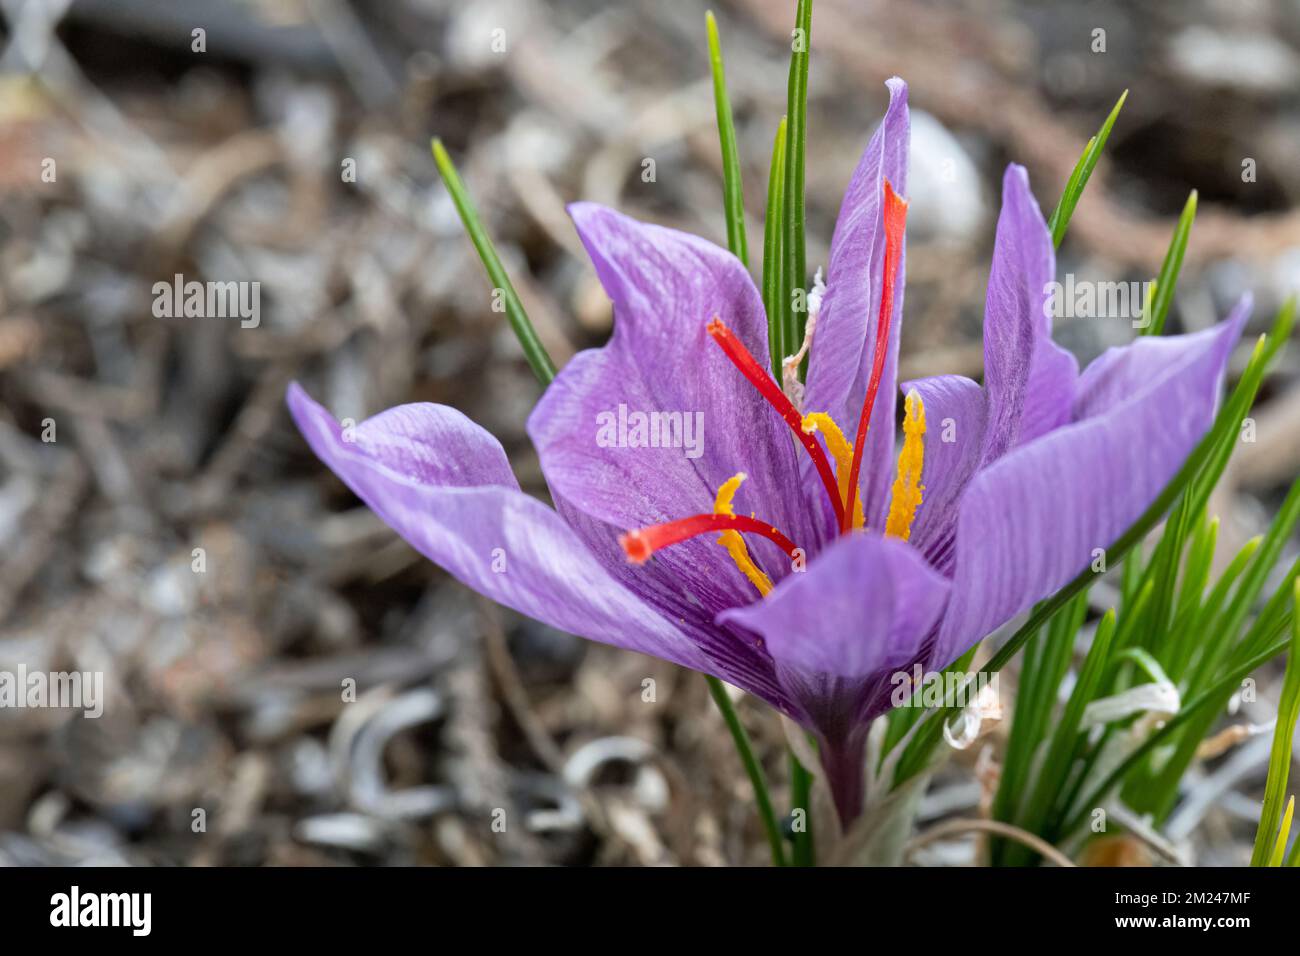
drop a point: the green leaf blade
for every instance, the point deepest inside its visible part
(795, 265)
(773, 251)
(1060, 218)
(1279, 763)
(733, 191)
(534, 351)
(1163, 291)
(753, 768)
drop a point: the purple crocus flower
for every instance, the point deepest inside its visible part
(825, 584)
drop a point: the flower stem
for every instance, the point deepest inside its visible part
(752, 767)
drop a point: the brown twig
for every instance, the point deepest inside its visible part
(958, 827)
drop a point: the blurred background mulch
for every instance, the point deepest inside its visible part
(177, 535)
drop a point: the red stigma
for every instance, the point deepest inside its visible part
(640, 544)
(735, 350)
(895, 215)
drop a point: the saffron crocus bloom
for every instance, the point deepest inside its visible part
(805, 571)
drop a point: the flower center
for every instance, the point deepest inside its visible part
(841, 451)
(841, 485)
(771, 391)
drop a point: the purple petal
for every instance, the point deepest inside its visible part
(844, 343)
(838, 633)
(1031, 521)
(1120, 373)
(863, 606)
(1028, 378)
(734, 657)
(666, 286)
(444, 485)
(955, 414)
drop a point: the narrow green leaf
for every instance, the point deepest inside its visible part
(773, 254)
(801, 799)
(733, 193)
(1228, 580)
(1280, 333)
(1108, 685)
(1183, 653)
(1045, 664)
(1271, 624)
(1060, 218)
(1065, 734)
(1158, 795)
(1129, 624)
(1071, 187)
(1022, 738)
(1196, 573)
(1279, 762)
(752, 767)
(1163, 291)
(1252, 582)
(1143, 659)
(1283, 832)
(1163, 570)
(1269, 621)
(534, 351)
(1132, 576)
(795, 266)
(902, 719)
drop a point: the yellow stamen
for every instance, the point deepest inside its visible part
(906, 496)
(841, 451)
(733, 542)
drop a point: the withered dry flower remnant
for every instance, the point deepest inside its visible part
(839, 568)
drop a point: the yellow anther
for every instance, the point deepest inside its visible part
(732, 541)
(906, 496)
(841, 451)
